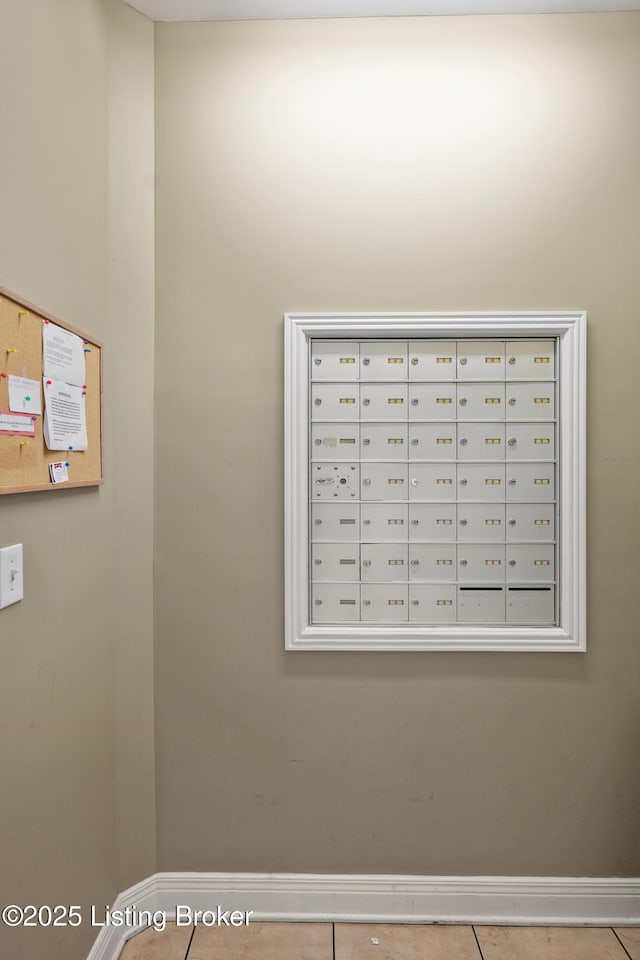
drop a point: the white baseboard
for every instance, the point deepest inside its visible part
(381, 899)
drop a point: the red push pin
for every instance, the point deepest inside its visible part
(48, 383)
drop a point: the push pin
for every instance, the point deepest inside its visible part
(24, 443)
(22, 313)
(11, 350)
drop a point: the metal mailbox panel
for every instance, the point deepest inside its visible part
(384, 481)
(383, 401)
(432, 481)
(432, 360)
(530, 561)
(530, 606)
(481, 561)
(331, 602)
(481, 360)
(432, 521)
(530, 481)
(481, 481)
(530, 441)
(481, 441)
(383, 361)
(384, 521)
(335, 401)
(481, 604)
(530, 521)
(481, 401)
(335, 521)
(335, 561)
(334, 481)
(432, 441)
(384, 561)
(530, 401)
(333, 441)
(385, 601)
(432, 401)
(383, 441)
(432, 561)
(432, 602)
(334, 361)
(532, 360)
(480, 521)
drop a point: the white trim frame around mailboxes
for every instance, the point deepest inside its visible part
(569, 635)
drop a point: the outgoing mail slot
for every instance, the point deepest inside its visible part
(479, 521)
(432, 481)
(432, 441)
(383, 361)
(384, 441)
(481, 481)
(480, 561)
(335, 521)
(383, 401)
(335, 401)
(384, 561)
(530, 561)
(530, 441)
(481, 360)
(531, 360)
(383, 521)
(530, 401)
(481, 441)
(432, 521)
(530, 521)
(432, 561)
(384, 481)
(481, 401)
(530, 481)
(530, 605)
(432, 602)
(432, 401)
(334, 441)
(481, 604)
(385, 601)
(335, 561)
(335, 602)
(334, 360)
(334, 481)
(432, 360)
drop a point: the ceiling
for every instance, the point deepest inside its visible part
(312, 9)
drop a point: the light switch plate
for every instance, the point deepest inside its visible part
(11, 586)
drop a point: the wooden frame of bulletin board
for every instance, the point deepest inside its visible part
(24, 461)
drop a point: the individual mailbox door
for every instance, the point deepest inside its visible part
(530, 441)
(335, 521)
(384, 481)
(432, 521)
(334, 360)
(383, 361)
(481, 604)
(432, 441)
(384, 521)
(432, 602)
(481, 360)
(536, 605)
(530, 401)
(385, 601)
(432, 561)
(432, 401)
(530, 561)
(384, 561)
(334, 481)
(432, 360)
(383, 401)
(481, 441)
(384, 441)
(531, 360)
(335, 401)
(432, 481)
(530, 481)
(335, 561)
(530, 521)
(481, 401)
(334, 441)
(335, 602)
(479, 521)
(481, 561)
(481, 481)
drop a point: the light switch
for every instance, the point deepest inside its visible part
(11, 588)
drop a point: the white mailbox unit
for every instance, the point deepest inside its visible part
(435, 481)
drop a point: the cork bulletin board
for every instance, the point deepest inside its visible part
(24, 456)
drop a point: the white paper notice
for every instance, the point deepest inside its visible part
(22, 424)
(62, 355)
(24, 395)
(59, 472)
(65, 420)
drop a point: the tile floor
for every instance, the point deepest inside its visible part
(381, 941)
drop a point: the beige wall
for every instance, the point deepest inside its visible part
(394, 164)
(76, 237)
